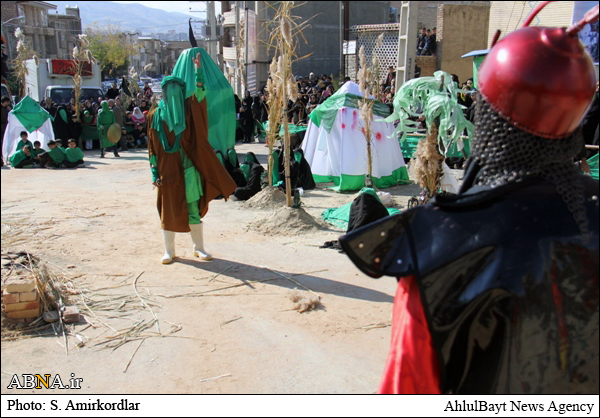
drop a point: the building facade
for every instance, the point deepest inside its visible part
(323, 44)
(51, 35)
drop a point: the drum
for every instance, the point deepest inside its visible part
(114, 133)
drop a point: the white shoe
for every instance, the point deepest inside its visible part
(198, 240)
(169, 238)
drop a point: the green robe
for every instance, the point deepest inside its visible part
(17, 157)
(73, 154)
(182, 185)
(36, 152)
(22, 143)
(106, 117)
(57, 154)
(193, 182)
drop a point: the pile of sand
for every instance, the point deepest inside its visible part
(287, 221)
(268, 198)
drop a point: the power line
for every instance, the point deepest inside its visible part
(510, 17)
(520, 17)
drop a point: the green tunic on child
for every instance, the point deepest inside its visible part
(74, 154)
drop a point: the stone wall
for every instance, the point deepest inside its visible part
(428, 65)
(461, 29)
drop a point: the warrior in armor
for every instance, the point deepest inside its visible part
(498, 285)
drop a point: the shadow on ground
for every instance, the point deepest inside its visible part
(246, 274)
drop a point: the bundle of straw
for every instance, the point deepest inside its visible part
(81, 54)
(365, 81)
(285, 29)
(19, 64)
(427, 165)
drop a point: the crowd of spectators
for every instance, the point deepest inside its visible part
(426, 42)
(312, 91)
(130, 113)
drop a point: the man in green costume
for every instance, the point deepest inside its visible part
(184, 165)
(106, 117)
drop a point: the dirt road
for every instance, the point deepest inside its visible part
(100, 227)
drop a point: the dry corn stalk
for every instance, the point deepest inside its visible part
(19, 64)
(240, 46)
(81, 55)
(133, 86)
(281, 86)
(427, 164)
(365, 105)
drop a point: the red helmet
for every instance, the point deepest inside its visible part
(541, 80)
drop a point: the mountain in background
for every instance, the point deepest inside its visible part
(129, 17)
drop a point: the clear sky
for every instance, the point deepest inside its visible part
(178, 6)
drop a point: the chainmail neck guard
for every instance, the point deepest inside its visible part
(507, 154)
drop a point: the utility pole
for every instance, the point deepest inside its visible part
(341, 73)
(212, 40)
(246, 31)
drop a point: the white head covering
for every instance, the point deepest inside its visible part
(137, 113)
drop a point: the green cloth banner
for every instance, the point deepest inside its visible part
(31, 115)
(293, 129)
(340, 217)
(347, 182)
(327, 111)
(409, 147)
(219, 97)
(89, 133)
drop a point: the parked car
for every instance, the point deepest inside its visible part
(105, 86)
(63, 94)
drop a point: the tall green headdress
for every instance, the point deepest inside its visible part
(219, 97)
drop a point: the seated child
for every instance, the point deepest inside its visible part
(36, 151)
(22, 158)
(74, 156)
(140, 135)
(24, 141)
(53, 158)
(127, 139)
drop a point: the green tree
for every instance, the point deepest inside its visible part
(109, 47)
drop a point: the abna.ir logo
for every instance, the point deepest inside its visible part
(46, 381)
